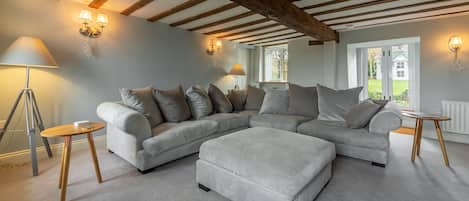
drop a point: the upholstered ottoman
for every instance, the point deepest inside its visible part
(265, 164)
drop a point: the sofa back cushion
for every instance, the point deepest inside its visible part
(199, 102)
(275, 102)
(173, 104)
(335, 104)
(303, 100)
(360, 115)
(254, 99)
(237, 99)
(142, 101)
(220, 102)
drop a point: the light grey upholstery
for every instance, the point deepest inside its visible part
(386, 120)
(278, 121)
(360, 115)
(237, 99)
(303, 100)
(220, 102)
(229, 121)
(249, 113)
(263, 157)
(335, 104)
(173, 104)
(275, 102)
(254, 98)
(199, 102)
(142, 101)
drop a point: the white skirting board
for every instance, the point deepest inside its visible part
(23, 156)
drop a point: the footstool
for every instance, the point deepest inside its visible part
(265, 164)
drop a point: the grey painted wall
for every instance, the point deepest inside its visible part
(305, 63)
(131, 53)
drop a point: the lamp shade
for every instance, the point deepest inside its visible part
(237, 69)
(28, 51)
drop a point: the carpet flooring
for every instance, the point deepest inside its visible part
(427, 179)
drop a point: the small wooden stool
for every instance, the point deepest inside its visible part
(67, 131)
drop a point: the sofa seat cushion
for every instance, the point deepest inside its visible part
(278, 121)
(229, 121)
(171, 135)
(338, 132)
(280, 161)
(249, 113)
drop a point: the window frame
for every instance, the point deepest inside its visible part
(263, 66)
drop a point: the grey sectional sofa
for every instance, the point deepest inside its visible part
(130, 136)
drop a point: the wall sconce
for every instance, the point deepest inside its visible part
(214, 45)
(455, 44)
(91, 28)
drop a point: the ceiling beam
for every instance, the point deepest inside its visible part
(315, 42)
(174, 10)
(205, 14)
(137, 5)
(401, 14)
(238, 26)
(260, 34)
(270, 37)
(279, 39)
(351, 7)
(226, 20)
(96, 3)
(286, 13)
(323, 4)
(250, 30)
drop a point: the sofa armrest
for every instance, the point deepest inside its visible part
(125, 119)
(386, 120)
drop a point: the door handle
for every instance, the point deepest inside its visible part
(384, 97)
(390, 98)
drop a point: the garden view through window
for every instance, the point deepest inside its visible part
(276, 63)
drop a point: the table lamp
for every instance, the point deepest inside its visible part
(28, 52)
(237, 70)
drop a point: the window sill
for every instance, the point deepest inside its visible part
(272, 82)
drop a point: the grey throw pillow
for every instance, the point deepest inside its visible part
(335, 104)
(142, 101)
(360, 115)
(303, 100)
(220, 102)
(237, 99)
(275, 102)
(173, 104)
(199, 102)
(254, 98)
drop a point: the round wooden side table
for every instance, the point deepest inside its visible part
(67, 131)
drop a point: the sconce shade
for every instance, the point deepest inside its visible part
(101, 19)
(237, 69)
(86, 16)
(28, 51)
(455, 42)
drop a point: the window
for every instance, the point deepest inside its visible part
(276, 63)
(400, 65)
(400, 74)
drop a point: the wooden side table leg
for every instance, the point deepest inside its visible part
(419, 137)
(442, 142)
(68, 144)
(62, 164)
(416, 133)
(95, 158)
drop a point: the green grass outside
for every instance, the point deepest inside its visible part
(400, 90)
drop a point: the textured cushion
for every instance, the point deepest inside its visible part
(142, 101)
(283, 122)
(171, 135)
(237, 99)
(337, 132)
(199, 102)
(254, 99)
(173, 104)
(335, 104)
(360, 115)
(275, 102)
(229, 121)
(281, 161)
(249, 113)
(220, 102)
(303, 100)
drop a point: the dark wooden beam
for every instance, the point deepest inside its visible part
(286, 13)
(270, 37)
(174, 10)
(280, 39)
(323, 4)
(137, 5)
(205, 14)
(96, 3)
(250, 30)
(238, 26)
(401, 14)
(382, 10)
(260, 34)
(351, 7)
(226, 20)
(315, 42)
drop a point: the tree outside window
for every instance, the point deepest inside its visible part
(276, 63)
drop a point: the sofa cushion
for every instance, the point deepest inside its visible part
(249, 113)
(199, 102)
(338, 132)
(335, 104)
(275, 102)
(173, 104)
(254, 98)
(229, 121)
(360, 115)
(220, 102)
(171, 135)
(283, 122)
(237, 99)
(142, 101)
(303, 100)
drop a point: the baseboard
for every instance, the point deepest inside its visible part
(23, 156)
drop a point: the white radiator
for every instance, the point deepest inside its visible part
(459, 113)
